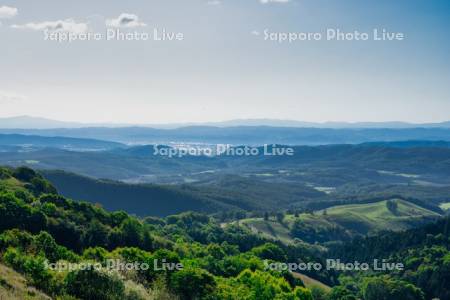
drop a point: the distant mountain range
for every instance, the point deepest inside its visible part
(34, 141)
(243, 135)
(27, 122)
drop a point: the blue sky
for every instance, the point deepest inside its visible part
(221, 69)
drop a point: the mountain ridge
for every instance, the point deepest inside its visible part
(28, 122)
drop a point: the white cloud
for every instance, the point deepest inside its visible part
(214, 2)
(7, 12)
(274, 1)
(125, 20)
(10, 97)
(68, 25)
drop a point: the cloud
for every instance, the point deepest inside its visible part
(68, 25)
(274, 1)
(7, 12)
(10, 97)
(125, 20)
(214, 2)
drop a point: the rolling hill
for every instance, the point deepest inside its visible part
(343, 222)
(142, 200)
(374, 217)
(331, 165)
(228, 193)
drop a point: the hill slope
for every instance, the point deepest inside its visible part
(14, 286)
(373, 217)
(224, 193)
(343, 222)
(142, 200)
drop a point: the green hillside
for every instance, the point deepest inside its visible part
(424, 251)
(445, 206)
(227, 193)
(138, 199)
(343, 222)
(373, 217)
(217, 261)
(186, 256)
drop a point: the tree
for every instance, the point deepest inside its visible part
(90, 284)
(192, 283)
(132, 233)
(265, 286)
(384, 287)
(96, 235)
(392, 206)
(270, 251)
(14, 213)
(318, 293)
(341, 293)
(24, 174)
(280, 217)
(46, 243)
(302, 293)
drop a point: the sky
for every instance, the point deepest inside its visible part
(228, 64)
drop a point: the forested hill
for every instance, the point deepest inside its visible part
(322, 165)
(138, 199)
(230, 193)
(38, 227)
(424, 251)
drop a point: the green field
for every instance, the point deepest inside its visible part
(369, 218)
(269, 229)
(445, 206)
(347, 220)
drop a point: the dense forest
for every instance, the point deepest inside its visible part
(194, 256)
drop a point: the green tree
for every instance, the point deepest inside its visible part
(270, 251)
(383, 287)
(90, 284)
(191, 283)
(132, 233)
(280, 217)
(302, 293)
(341, 293)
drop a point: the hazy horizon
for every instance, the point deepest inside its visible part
(231, 121)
